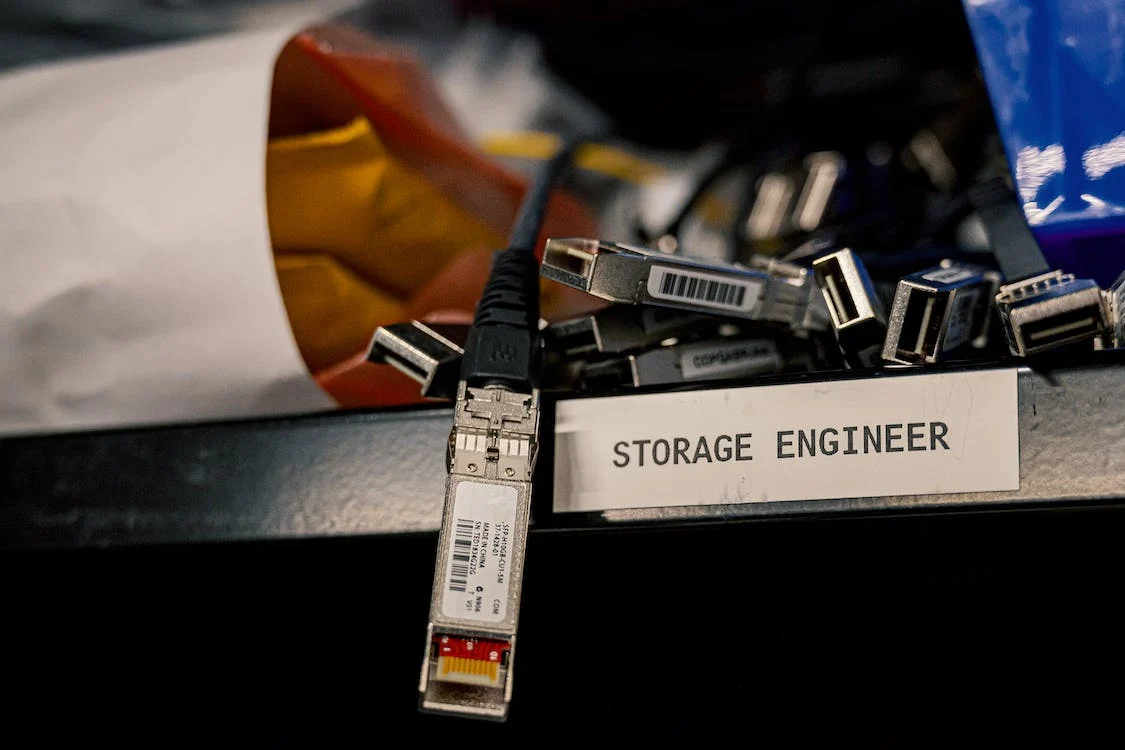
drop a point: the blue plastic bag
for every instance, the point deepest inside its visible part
(1055, 71)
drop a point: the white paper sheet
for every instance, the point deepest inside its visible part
(136, 278)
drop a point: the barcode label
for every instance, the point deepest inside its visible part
(703, 289)
(478, 556)
(462, 547)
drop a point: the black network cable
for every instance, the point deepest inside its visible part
(502, 346)
(1012, 241)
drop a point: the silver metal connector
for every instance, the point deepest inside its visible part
(1116, 307)
(939, 310)
(721, 359)
(637, 276)
(1051, 310)
(792, 297)
(621, 328)
(770, 214)
(853, 306)
(421, 353)
(825, 170)
(471, 638)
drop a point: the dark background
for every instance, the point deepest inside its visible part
(678, 72)
(999, 630)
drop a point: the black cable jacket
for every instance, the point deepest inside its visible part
(707, 180)
(503, 344)
(533, 209)
(1012, 241)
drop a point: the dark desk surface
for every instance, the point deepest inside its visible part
(783, 629)
(957, 630)
(384, 473)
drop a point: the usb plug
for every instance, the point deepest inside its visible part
(1051, 310)
(939, 310)
(856, 312)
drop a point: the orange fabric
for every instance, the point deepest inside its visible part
(339, 192)
(327, 76)
(380, 210)
(331, 310)
(356, 383)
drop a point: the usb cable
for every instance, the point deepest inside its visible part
(1013, 244)
(1041, 308)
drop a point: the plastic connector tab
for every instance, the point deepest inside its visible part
(938, 310)
(1051, 310)
(857, 314)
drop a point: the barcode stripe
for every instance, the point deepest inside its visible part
(462, 546)
(699, 289)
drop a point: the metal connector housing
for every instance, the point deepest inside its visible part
(717, 359)
(471, 638)
(825, 170)
(422, 354)
(939, 310)
(792, 297)
(638, 276)
(856, 313)
(1051, 310)
(770, 214)
(1115, 300)
(621, 328)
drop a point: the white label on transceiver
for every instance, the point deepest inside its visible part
(901, 435)
(478, 558)
(950, 275)
(711, 360)
(703, 289)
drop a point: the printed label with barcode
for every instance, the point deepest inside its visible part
(462, 549)
(703, 289)
(477, 569)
